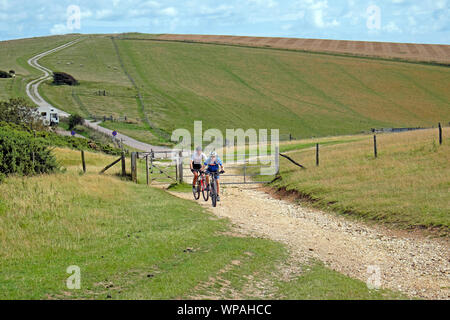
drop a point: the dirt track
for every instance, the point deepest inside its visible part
(416, 266)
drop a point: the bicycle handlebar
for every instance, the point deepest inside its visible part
(203, 172)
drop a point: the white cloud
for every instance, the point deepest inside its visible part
(320, 11)
(264, 3)
(205, 10)
(392, 27)
(104, 14)
(295, 16)
(59, 29)
(319, 20)
(170, 11)
(151, 4)
(3, 4)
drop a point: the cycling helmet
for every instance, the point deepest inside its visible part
(213, 154)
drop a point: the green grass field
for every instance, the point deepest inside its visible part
(230, 87)
(12, 88)
(135, 242)
(408, 185)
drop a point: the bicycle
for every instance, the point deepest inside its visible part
(201, 187)
(213, 186)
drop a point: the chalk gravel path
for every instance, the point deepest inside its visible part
(32, 90)
(412, 264)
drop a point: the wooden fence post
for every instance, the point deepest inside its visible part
(134, 167)
(245, 171)
(151, 161)
(317, 155)
(180, 167)
(147, 169)
(177, 168)
(83, 161)
(375, 148)
(124, 168)
(440, 134)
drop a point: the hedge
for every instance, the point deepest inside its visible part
(22, 154)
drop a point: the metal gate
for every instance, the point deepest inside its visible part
(171, 166)
(246, 170)
(162, 167)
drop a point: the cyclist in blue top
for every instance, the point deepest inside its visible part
(212, 164)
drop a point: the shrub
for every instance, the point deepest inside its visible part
(61, 78)
(50, 138)
(23, 154)
(75, 120)
(4, 74)
(17, 111)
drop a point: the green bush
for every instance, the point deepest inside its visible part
(75, 120)
(23, 154)
(50, 138)
(61, 78)
(17, 111)
(4, 74)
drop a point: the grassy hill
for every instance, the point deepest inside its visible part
(305, 94)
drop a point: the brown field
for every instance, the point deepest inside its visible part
(405, 51)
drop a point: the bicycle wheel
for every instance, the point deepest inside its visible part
(205, 193)
(196, 192)
(214, 193)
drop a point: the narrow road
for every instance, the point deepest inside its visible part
(126, 140)
(32, 91)
(32, 88)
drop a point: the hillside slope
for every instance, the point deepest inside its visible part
(305, 94)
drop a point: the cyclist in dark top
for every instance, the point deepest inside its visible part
(212, 165)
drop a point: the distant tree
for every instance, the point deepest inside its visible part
(4, 74)
(75, 120)
(61, 78)
(17, 111)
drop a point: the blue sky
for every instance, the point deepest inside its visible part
(421, 21)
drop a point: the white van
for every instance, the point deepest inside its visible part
(49, 116)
